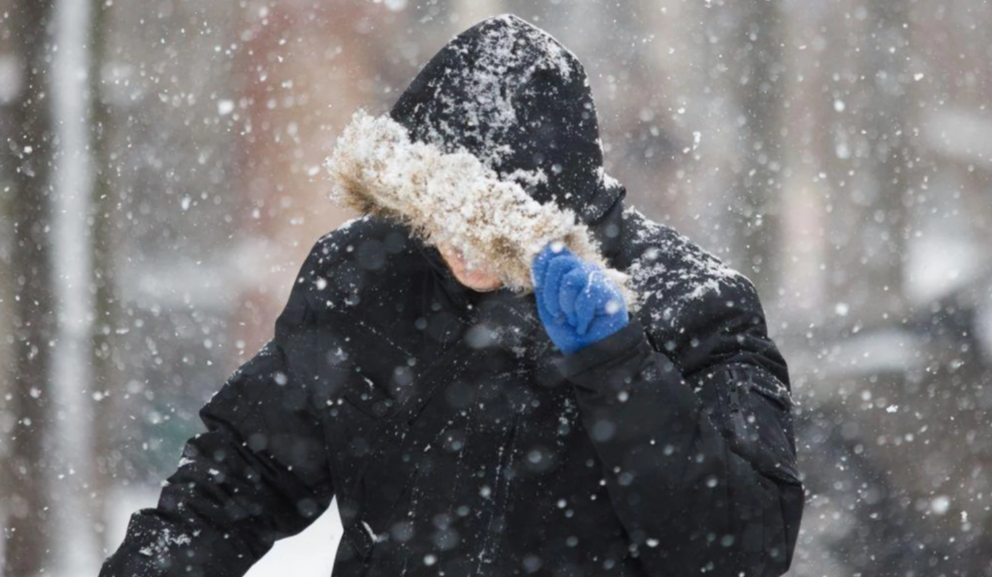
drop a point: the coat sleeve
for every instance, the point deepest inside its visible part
(259, 473)
(700, 467)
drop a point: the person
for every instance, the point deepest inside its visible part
(470, 429)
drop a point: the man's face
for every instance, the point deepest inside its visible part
(476, 277)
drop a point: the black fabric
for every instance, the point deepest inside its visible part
(458, 440)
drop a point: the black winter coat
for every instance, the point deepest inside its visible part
(459, 442)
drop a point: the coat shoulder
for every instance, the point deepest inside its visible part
(344, 264)
(686, 292)
(365, 237)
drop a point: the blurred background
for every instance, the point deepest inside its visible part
(161, 183)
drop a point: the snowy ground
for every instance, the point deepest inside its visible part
(309, 554)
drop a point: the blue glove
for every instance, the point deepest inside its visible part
(578, 304)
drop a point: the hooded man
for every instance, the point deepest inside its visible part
(500, 370)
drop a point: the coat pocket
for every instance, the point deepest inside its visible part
(363, 394)
(392, 529)
(768, 412)
(754, 410)
(374, 528)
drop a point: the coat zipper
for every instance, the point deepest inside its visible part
(737, 406)
(500, 493)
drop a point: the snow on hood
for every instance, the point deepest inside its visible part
(493, 148)
(509, 93)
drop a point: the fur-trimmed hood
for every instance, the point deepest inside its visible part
(493, 148)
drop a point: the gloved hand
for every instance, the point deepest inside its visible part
(578, 304)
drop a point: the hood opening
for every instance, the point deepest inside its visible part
(494, 148)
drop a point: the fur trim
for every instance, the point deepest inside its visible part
(376, 169)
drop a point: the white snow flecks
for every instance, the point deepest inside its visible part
(558, 58)
(489, 551)
(527, 178)
(607, 181)
(685, 275)
(369, 530)
(164, 540)
(348, 223)
(453, 197)
(499, 68)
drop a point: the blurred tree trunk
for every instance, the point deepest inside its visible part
(757, 78)
(884, 70)
(27, 153)
(104, 350)
(873, 157)
(6, 282)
